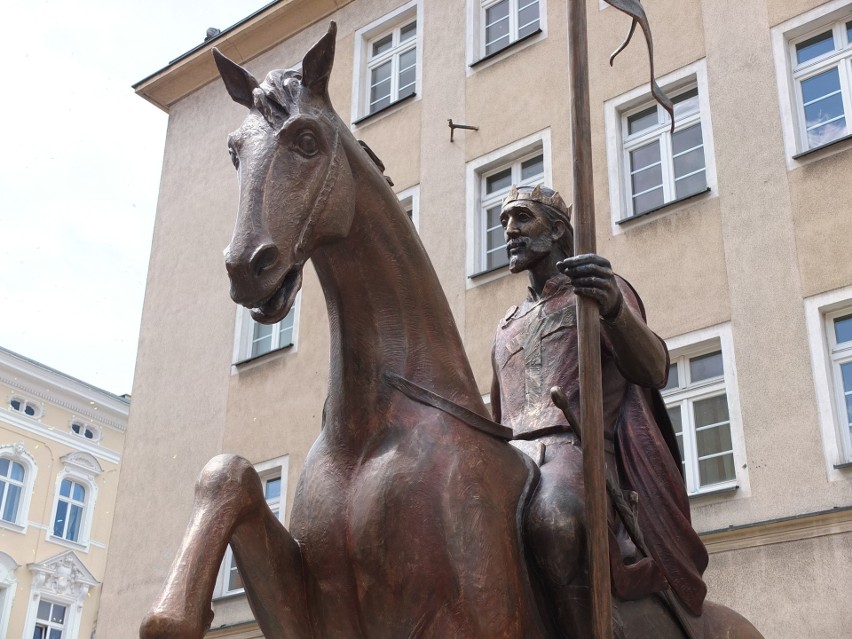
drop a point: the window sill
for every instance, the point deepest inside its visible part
(256, 358)
(67, 543)
(843, 465)
(715, 492)
(10, 525)
(511, 45)
(822, 147)
(627, 220)
(384, 109)
(486, 272)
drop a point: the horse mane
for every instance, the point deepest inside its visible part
(278, 96)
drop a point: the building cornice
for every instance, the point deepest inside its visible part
(245, 40)
(808, 526)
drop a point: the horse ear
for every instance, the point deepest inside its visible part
(238, 81)
(316, 66)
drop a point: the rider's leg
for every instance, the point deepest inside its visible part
(556, 535)
(227, 492)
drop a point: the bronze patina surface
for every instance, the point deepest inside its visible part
(411, 516)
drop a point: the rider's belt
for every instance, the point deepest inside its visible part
(609, 444)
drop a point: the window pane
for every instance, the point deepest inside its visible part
(642, 120)
(716, 470)
(65, 488)
(849, 32)
(677, 425)
(532, 168)
(814, 47)
(15, 404)
(646, 179)
(380, 86)
(843, 329)
(13, 497)
(273, 488)
(496, 27)
(72, 532)
(689, 162)
(686, 102)
(17, 471)
(382, 45)
(79, 492)
(40, 632)
(713, 410)
(55, 633)
(261, 341)
(285, 334)
(714, 440)
(495, 240)
(4, 467)
(685, 139)
(846, 374)
(527, 17)
(821, 85)
(648, 201)
(59, 522)
(235, 580)
(498, 181)
(407, 73)
(496, 258)
(29, 410)
(705, 366)
(43, 611)
(695, 183)
(408, 31)
(58, 615)
(673, 378)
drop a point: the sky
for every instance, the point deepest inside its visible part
(80, 171)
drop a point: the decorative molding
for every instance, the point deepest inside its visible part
(63, 575)
(46, 431)
(809, 526)
(83, 463)
(79, 409)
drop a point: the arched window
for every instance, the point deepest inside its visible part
(17, 477)
(70, 510)
(12, 475)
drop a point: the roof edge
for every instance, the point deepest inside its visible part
(241, 42)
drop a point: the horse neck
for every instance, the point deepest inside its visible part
(387, 310)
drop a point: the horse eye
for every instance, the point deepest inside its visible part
(307, 143)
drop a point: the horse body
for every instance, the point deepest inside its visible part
(407, 522)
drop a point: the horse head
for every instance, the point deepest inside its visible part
(296, 186)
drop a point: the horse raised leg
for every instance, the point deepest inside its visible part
(230, 508)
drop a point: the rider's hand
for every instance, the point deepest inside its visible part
(592, 277)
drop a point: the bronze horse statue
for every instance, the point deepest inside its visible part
(409, 514)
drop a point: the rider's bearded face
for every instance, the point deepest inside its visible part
(528, 233)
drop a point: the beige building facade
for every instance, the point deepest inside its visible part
(61, 442)
(735, 229)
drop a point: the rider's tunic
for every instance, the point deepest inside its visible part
(535, 348)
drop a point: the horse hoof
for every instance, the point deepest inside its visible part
(161, 625)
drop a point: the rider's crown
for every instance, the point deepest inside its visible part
(541, 195)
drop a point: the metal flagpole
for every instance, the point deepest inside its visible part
(588, 312)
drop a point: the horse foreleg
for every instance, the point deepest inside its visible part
(227, 492)
(270, 563)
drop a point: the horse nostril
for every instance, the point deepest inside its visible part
(264, 257)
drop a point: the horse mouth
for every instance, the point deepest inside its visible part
(275, 307)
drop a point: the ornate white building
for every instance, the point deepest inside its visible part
(61, 442)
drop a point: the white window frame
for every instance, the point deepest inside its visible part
(38, 408)
(616, 111)
(696, 343)
(83, 469)
(364, 37)
(820, 310)
(475, 33)
(476, 171)
(784, 38)
(244, 334)
(62, 579)
(85, 426)
(49, 625)
(17, 453)
(271, 469)
(409, 200)
(8, 585)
